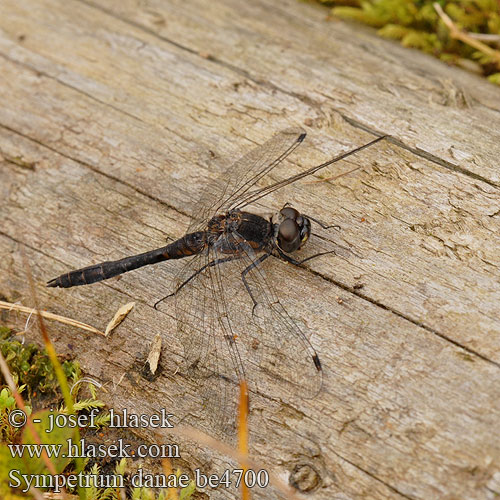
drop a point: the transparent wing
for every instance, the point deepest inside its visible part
(225, 191)
(212, 360)
(279, 354)
(220, 326)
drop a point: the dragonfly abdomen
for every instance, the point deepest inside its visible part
(189, 244)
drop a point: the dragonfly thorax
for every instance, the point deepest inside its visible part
(294, 229)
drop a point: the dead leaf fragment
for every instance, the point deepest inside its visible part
(119, 316)
(154, 354)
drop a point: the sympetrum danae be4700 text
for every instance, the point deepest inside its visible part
(227, 246)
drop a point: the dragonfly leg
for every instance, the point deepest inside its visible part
(296, 262)
(322, 224)
(210, 264)
(253, 265)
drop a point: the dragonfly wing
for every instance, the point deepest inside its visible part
(239, 179)
(212, 361)
(274, 347)
(219, 327)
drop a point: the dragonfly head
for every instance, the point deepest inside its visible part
(293, 231)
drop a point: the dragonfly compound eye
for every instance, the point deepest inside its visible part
(289, 236)
(289, 213)
(305, 229)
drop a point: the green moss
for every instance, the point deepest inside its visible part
(494, 78)
(30, 366)
(33, 374)
(417, 25)
(94, 493)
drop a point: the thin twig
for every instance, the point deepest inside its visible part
(465, 37)
(62, 319)
(485, 37)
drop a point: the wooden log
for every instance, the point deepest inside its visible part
(113, 115)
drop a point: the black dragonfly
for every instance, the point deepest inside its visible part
(226, 307)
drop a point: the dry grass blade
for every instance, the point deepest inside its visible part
(119, 316)
(243, 435)
(47, 315)
(61, 377)
(166, 465)
(4, 369)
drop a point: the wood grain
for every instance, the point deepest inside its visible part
(113, 114)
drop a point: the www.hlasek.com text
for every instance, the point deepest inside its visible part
(82, 449)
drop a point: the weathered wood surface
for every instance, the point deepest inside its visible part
(112, 113)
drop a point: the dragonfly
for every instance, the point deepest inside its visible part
(226, 305)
